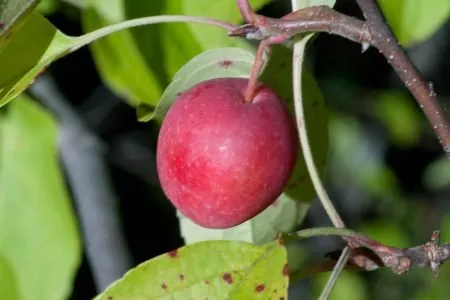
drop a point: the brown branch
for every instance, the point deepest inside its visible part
(385, 40)
(373, 32)
(371, 255)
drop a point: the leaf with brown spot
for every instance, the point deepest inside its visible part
(259, 288)
(173, 253)
(214, 269)
(286, 270)
(227, 277)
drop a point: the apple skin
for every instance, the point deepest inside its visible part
(221, 161)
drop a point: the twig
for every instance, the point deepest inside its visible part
(373, 32)
(369, 255)
(83, 158)
(400, 260)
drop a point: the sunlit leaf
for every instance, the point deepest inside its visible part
(415, 21)
(122, 64)
(47, 7)
(39, 243)
(216, 270)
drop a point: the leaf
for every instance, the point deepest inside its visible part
(415, 21)
(400, 117)
(12, 15)
(37, 44)
(216, 269)
(178, 45)
(281, 217)
(210, 37)
(120, 62)
(215, 63)
(32, 47)
(39, 244)
(137, 63)
(47, 7)
(9, 289)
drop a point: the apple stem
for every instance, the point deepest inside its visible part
(264, 46)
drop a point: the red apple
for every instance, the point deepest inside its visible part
(222, 161)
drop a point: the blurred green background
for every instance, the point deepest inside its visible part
(386, 172)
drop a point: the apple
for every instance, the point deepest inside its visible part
(221, 160)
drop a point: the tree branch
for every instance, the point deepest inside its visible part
(368, 255)
(385, 40)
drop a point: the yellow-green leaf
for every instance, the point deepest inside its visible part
(214, 270)
(414, 21)
(39, 242)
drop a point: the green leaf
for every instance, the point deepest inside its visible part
(9, 288)
(12, 15)
(415, 21)
(47, 7)
(32, 47)
(178, 44)
(400, 116)
(216, 269)
(37, 43)
(121, 63)
(137, 63)
(210, 37)
(283, 216)
(39, 243)
(215, 63)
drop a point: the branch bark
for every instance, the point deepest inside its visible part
(384, 39)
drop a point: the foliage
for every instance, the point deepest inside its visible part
(39, 242)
